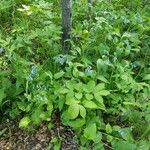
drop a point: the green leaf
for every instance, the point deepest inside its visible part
(143, 145)
(59, 74)
(49, 74)
(98, 137)
(89, 104)
(22, 106)
(70, 85)
(73, 111)
(101, 66)
(82, 111)
(102, 78)
(78, 123)
(44, 116)
(109, 138)
(98, 146)
(126, 134)
(36, 116)
(116, 128)
(132, 103)
(70, 99)
(63, 90)
(24, 122)
(50, 125)
(79, 86)
(78, 95)
(90, 131)
(57, 145)
(99, 87)
(89, 87)
(146, 77)
(89, 96)
(2, 95)
(124, 145)
(50, 107)
(104, 93)
(61, 103)
(98, 97)
(83, 140)
(108, 128)
(82, 148)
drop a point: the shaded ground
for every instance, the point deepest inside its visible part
(14, 138)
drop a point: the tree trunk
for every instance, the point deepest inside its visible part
(66, 25)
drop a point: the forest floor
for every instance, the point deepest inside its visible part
(13, 138)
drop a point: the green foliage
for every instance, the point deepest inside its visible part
(101, 88)
(24, 122)
(90, 132)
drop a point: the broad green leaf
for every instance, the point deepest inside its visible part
(104, 93)
(126, 134)
(70, 85)
(98, 137)
(44, 116)
(65, 116)
(50, 125)
(73, 111)
(70, 99)
(89, 96)
(50, 107)
(59, 74)
(143, 145)
(78, 123)
(98, 146)
(24, 122)
(82, 148)
(109, 138)
(63, 90)
(61, 103)
(102, 78)
(116, 128)
(36, 116)
(89, 104)
(83, 140)
(89, 87)
(124, 145)
(99, 87)
(78, 95)
(79, 86)
(82, 111)
(101, 66)
(90, 131)
(57, 145)
(98, 97)
(78, 64)
(81, 74)
(146, 77)
(108, 128)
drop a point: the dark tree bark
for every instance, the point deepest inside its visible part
(66, 24)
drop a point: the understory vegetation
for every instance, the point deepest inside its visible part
(101, 88)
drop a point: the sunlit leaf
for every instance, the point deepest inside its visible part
(73, 111)
(90, 131)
